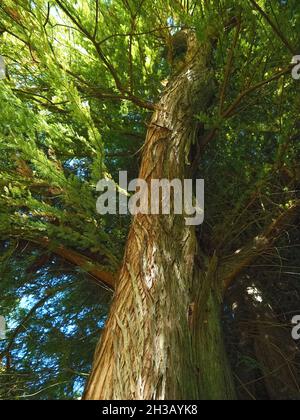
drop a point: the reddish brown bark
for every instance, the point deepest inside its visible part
(91, 267)
(147, 350)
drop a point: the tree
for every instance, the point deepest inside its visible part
(83, 79)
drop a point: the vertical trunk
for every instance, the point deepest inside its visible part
(215, 376)
(152, 347)
(210, 358)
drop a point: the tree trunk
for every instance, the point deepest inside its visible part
(210, 358)
(163, 337)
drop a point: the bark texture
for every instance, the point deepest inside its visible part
(152, 346)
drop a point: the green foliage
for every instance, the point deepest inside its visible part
(82, 79)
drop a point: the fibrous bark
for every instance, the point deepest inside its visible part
(152, 344)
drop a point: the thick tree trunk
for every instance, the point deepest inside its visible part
(163, 337)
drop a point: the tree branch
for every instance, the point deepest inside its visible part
(97, 45)
(91, 267)
(229, 67)
(32, 311)
(273, 26)
(243, 258)
(232, 109)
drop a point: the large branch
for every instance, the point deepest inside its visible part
(243, 258)
(91, 267)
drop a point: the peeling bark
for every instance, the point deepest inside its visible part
(150, 343)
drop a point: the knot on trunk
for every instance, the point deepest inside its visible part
(182, 48)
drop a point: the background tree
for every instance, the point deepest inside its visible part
(83, 79)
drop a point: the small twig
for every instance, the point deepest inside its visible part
(48, 15)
